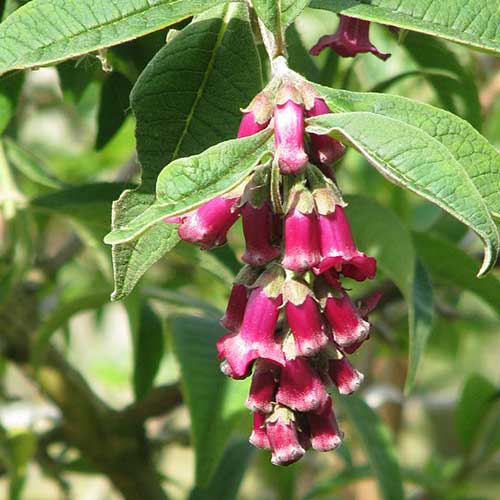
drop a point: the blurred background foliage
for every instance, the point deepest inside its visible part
(67, 150)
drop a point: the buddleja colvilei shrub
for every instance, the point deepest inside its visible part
(291, 322)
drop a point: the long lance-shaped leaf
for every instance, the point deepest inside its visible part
(47, 31)
(188, 182)
(413, 159)
(477, 156)
(378, 446)
(210, 69)
(381, 234)
(475, 24)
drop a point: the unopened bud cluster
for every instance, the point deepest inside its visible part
(291, 324)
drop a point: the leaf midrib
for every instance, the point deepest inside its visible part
(201, 90)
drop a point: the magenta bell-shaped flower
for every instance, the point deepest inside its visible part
(344, 375)
(350, 39)
(323, 428)
(281, 430)
(263, 389)
(289, 133)
(348, 326)
(304, 319)
(301, 387)
(324, 149)
(259, 437)
(208, 225)
(257, 228)
(302, 244)
(256, 337)
(338, 249)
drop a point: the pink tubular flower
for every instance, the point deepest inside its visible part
(302, 245)
(257, 228)
(263, 388)
(338, 250)
(344, 375)
(208, 225)
(301, 387)
(283, 437)
(304, 319)
(350, 39)
(325, 149)
(256, 336)
(324, 431)
(259, 437)
(348, 326)
(289, 133)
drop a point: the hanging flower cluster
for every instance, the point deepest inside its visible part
(291, 324)
(350, 39)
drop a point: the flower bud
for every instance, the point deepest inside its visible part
(324, 149)
(259, 437)
(256, 336)
(347, 324)
(208, 225)
(263, 388)
(257, 228)
(249, 125)
(350, 39)
(344, 375)
(323, 428)
(256, 117)
(300, 386)
(235, 308)
(338, 249)
(289, 131)
(238, 299)
(304, 319)
(283, 437)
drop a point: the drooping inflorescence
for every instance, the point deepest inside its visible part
(291, 323)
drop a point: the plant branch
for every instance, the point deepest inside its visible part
(113, 442)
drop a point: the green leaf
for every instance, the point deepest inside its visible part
(188, 182)
(420, 316)
(277, 15)
(477, 157)
(380, 233)
(210, 69)
(213, 400)
(458, 95)
(339, 481)
(113, 108)
(452, 266)
(74, 27)
(89, 204)
(227, 479)
(473, 405)
(148, 345)
(476, 24)
(410, 157)
(61, 315)
(30, 166)
(10, 88)
(378, 447)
